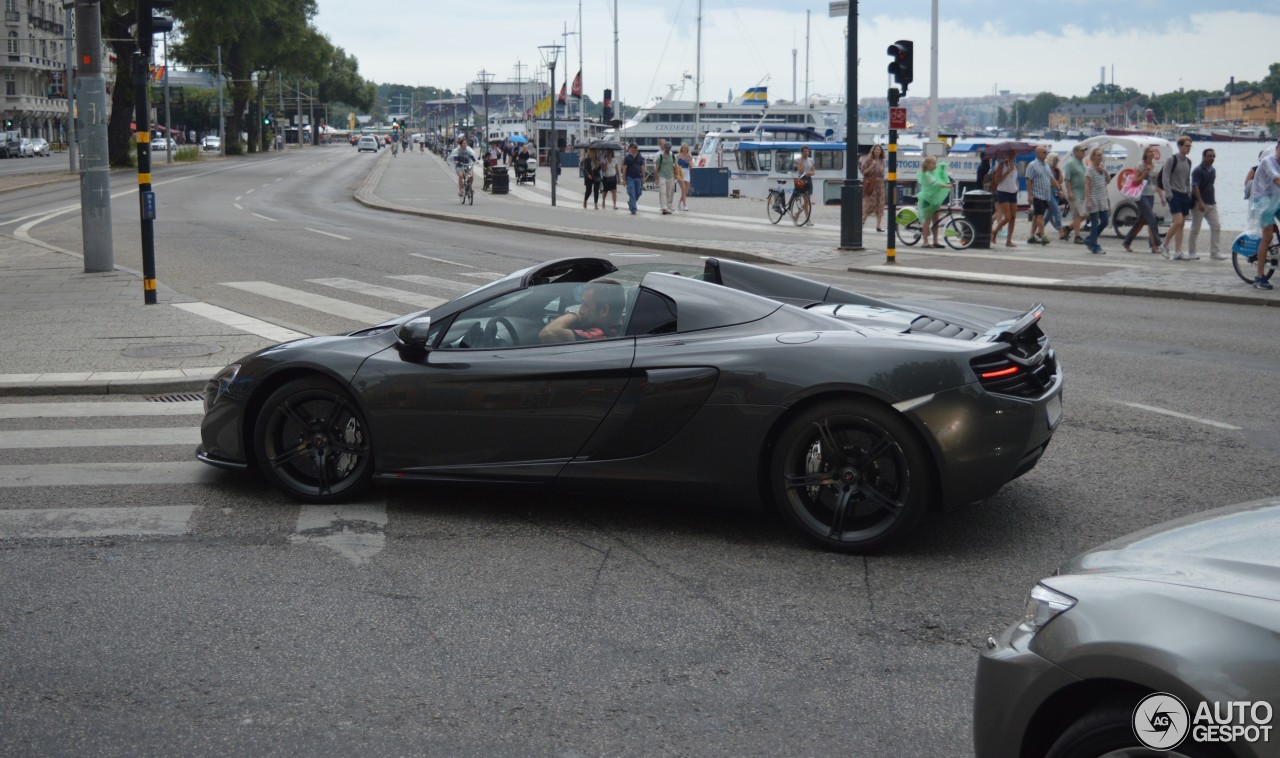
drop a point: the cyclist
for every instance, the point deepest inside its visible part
(805, 169)
(461, 159)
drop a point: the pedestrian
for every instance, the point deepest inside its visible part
(591, 178)
(1264, 209)
(1004, 177)
(1040, 184)
(609, 178)
(1143, 181)
(1096, 201)
(1053, 216)
(664, 170)
(1073, 186)
(805, 169)
(633, 171)
(1205, 207)
(684, 162)
(1176, 178)
(934, 187)
(983, 178)
(873, 171)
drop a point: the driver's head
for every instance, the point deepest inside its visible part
(602, 304)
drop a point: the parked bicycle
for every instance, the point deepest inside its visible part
(1244, 257)
(779, 204)
(957, 231)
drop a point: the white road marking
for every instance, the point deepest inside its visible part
(1183, 416)
(79, 523)
(103, 474)
(386, 293)
(93, 410)
(249, 192)
(46, 438)
(966, 275)
(356, 532)
(238, 198)
(327, 234)
(432, 281)
(441, 260)
(238, 206)
(242, 322)
(315, 302)
(264, 218)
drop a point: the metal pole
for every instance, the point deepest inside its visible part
(95, 171)
(280, 96)
(168, 124)
(73, 149)
(851, 190)
(553, 159)
(806, 53)
(297, 96)
(222, 119)
(933, 77)
(697, 87)
(617, 98)
(582, 118)
(146, 198)
(891, 193)
(311, 108)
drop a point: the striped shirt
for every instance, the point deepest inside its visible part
(1096, 181)
(1039, 179)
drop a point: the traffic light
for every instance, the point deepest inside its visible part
(901, 65)
(266, 120)
(153, 19)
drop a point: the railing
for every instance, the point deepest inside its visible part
(12, 16)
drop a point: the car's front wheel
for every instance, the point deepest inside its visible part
(313, 442)
(1108, 731)
(851, 475)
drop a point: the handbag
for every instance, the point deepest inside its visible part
(1133, 188)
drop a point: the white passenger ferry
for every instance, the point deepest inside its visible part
(684, 121)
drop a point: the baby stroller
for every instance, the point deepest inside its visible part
(526, 170)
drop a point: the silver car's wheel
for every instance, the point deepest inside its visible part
(312, 441)
(1107, 732)
(851, 475)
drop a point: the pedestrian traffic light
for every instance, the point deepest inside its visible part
(901, 66)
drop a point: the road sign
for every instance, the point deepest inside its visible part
(838, 8)
(897, 118)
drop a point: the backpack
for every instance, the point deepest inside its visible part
(1160, 174)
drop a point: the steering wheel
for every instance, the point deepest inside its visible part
(491, 338)
(504, 323)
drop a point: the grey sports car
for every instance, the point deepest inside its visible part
(729, 383)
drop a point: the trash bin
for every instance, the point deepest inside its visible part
(709, 182)
(979, 209)
(499, 180)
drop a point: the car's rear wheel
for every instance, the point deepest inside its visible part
(312, 441)
(851, 475)
(1107, 732)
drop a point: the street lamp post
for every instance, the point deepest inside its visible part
(486, 79)
(550, 54)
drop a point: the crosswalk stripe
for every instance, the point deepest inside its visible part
(432, 281)
(386, 293)
(104, 474)
(321, 303)
(90, 409)
(46, 438)
(242, 322)
(487, 276)
(72, 523)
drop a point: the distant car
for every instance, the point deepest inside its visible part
(11, 144)
(1128, 648)
(41, 146)
(367, 143)
(27, 149)
(211, 143)
(162, 144)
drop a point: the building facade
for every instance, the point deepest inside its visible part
(1251, 108)
(34, 66)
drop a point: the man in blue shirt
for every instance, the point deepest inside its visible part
(633, 168)
(1040, 183)
(1204, 207)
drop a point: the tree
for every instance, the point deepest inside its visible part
(117, 17)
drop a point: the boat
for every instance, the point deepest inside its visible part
(1238, 134)
(680, 121)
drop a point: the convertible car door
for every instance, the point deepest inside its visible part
(516, 413)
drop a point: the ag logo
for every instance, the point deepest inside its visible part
(1160, 721)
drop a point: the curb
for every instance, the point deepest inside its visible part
(108, 387)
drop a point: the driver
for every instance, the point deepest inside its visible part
(461, 159)
(599, 316)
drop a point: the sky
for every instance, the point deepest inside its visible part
(984, 46)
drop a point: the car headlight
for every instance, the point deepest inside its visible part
(1043, 605)
(218, 385)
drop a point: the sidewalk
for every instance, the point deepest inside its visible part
(70, 332)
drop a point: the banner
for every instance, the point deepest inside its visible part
(562, 89)
(544, 106)
(577, 85)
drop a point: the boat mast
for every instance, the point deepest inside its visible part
(697, 86)
(582, 129)
(617, 108)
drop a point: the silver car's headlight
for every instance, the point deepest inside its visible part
(218, 385)
(1043, 605)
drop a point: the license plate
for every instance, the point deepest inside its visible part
(1053, 410)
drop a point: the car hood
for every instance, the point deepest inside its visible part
(1231, 549)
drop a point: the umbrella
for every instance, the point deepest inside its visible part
(1003, 149)
(602, 144)
(518, 138)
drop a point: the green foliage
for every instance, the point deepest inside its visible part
(189, 153)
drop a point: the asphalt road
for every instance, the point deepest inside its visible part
(483, 621)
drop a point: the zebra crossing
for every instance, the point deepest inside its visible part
(81, 489)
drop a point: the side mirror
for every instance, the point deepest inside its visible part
(411, 338)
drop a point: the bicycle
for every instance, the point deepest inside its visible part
(778, 204)
(468, 188)
(1244, 257)
(957, 231)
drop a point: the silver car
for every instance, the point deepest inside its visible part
(40, 146)
(1165, 642)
